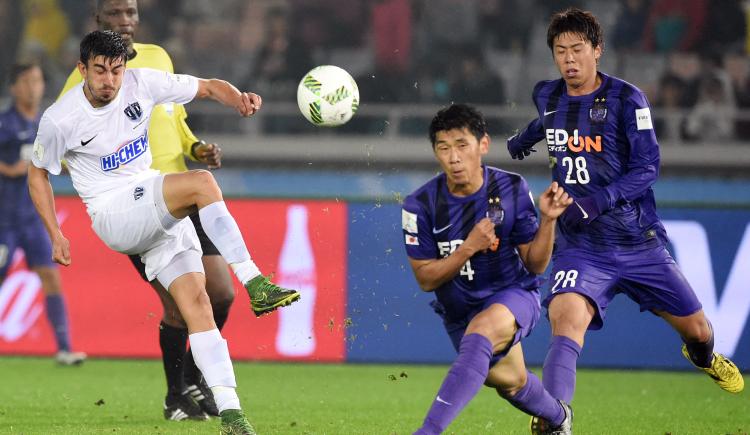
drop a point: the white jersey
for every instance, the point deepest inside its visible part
(107, 147)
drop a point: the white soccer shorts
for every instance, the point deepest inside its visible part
(135, 220)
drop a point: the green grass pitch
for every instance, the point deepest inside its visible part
(305, 399)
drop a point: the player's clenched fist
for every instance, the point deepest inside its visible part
(553, 201)
(250, 103)
(481, 237)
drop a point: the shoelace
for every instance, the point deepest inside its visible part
(725, 368)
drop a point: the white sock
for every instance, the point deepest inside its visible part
(223, 231)
(226, 398)
(211, 355)
(245, 271)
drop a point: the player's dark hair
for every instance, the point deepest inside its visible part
(19, 68)
(576, 21)
(458, 116)
(103, 43)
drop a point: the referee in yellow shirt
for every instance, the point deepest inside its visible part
(171, 141)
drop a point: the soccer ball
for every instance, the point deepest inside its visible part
(328, 96)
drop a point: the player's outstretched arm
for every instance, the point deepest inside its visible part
(537, 253)
(246, 103)
(432, 273)
(44, 201)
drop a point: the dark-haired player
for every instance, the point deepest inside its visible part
(20, 226)
(472, 237)
(603, 151)
(170, 142)
(100, 129)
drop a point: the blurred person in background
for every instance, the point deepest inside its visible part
(603, 149)
(675, 25)
(171, 141)
(671, 98)
(473, 80)
(712, 117)
(20, 226)
(282, 60)
(631, 22)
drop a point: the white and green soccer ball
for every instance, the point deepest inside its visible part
(328, 96)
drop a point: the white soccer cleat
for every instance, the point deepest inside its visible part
(67, 358)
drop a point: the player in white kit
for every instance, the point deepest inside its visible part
(100, 129)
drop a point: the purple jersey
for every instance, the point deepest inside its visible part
(601, 144)
(435, 223)
(16, 133)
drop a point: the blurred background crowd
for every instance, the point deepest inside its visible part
(690, 56)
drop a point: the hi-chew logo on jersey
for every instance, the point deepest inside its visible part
(125, 154)
(559, 140)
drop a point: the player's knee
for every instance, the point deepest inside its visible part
(498, 329)
(569, 315)
(206, 183)
(696, 331)
(509, 383)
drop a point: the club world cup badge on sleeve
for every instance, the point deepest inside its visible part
(598, 110)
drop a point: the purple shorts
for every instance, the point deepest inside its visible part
(650, 277)
(32, 238)
(524, 305)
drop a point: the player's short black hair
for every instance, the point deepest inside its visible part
(19, 68)
(103, 43)
(574, 20)
(458, 116)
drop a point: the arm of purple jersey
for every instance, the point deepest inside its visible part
(520, 144)
(643, 166)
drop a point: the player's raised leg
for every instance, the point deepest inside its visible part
(187, 192)
(698, 347)
(210, 350)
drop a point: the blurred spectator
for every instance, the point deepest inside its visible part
(670, 100)
(725, 26)
(11, 18)
(391, 29)
(712, 118)
(675, 25)
(445, 25)
(327, 24)
(505, 24)
(628, 33)
(473, 82)
(282, 61)
(739, 74)
(46, 26)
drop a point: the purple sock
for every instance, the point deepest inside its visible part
(702, 354)
(58, 318)
(464, 379)
(533, 399)
(559, 372)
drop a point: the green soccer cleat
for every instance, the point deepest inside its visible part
(234, 422)
(722, 371)
(266, 296)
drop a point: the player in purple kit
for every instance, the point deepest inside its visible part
(20, 226)
(473, 238)
(603, 150)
